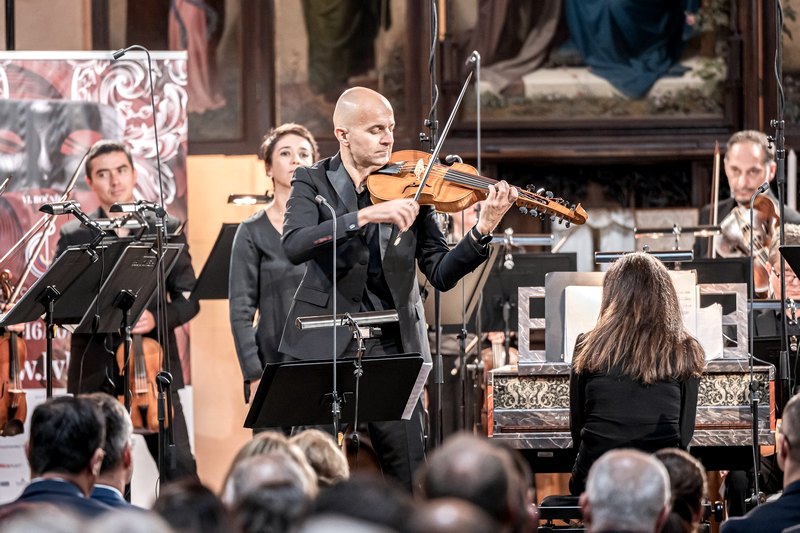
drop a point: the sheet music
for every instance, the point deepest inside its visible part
(582, 309)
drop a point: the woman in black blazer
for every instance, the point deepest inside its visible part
(262, 280)
(635, 376)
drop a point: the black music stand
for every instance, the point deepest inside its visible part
(297, 393)
(41, 298)
(212, 283)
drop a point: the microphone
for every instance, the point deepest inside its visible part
(453, 158)
(60, 208)
(119, 53)
(761, 189)
(473, 58)
(136, 207)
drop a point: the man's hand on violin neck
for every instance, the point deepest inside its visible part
(401, 212)
(500, 198)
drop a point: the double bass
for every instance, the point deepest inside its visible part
(13, 351)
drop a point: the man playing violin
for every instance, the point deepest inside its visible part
(374, 270)
(749, 162)
(111, 175)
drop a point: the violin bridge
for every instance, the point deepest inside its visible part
(419, 169)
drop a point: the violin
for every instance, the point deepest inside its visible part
(145, 363)
(454, 188)
(13, 351)
(734, 240)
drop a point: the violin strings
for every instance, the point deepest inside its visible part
(482, 183)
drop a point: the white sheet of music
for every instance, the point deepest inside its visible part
(582, 309)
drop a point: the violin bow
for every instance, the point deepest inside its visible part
(714, 198)
(438, 148)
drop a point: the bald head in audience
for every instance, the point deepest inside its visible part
(627, 490)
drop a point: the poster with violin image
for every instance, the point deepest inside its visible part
(53, 107)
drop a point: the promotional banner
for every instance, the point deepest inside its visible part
(53, 107)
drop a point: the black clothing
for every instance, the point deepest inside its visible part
(93, 363)
(769, 517)
(609, 411)
(263, 280)
(308, 237)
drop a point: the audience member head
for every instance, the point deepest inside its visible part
(687, 479)
(325, 457)
(274, 508)
(66, 439)
(450, 515)
(273, 441)
(129, 521)
(117, 466)
(640, 329)
(190, 507)
(749, 162)
(368, 499)
(789, 441)
(626, 490)
(271, 469)
(470, 468)
(24, 517)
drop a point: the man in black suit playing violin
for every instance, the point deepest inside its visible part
(374, 271)
(749, 162)
(93, 366)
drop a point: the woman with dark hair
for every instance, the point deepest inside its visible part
(635, 376)
(262, 280)
(687, 480)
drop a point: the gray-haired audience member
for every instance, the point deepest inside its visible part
(450, 515)
(38, 518)
(324, 456)
(785, 511)
(271, 469)
(470, 468)
(627, 490)
(269, 509)
(65, 451)
(117, 467)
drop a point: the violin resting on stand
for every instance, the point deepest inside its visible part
(454, 188)
(13, 351)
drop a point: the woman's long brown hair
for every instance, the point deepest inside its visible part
(640, 330)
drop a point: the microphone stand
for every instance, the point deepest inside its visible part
(335, 401)
(754, 392)
(784, 372)
(166, 438)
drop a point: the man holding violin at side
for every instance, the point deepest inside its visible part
(749, 162)
(93, 366)
(374, 271)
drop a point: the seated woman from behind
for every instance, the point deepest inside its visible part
(635, 376)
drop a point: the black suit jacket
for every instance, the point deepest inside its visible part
(112, 498)
(769, 517)
(92, 367)
(61, 494)
(307, 237)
